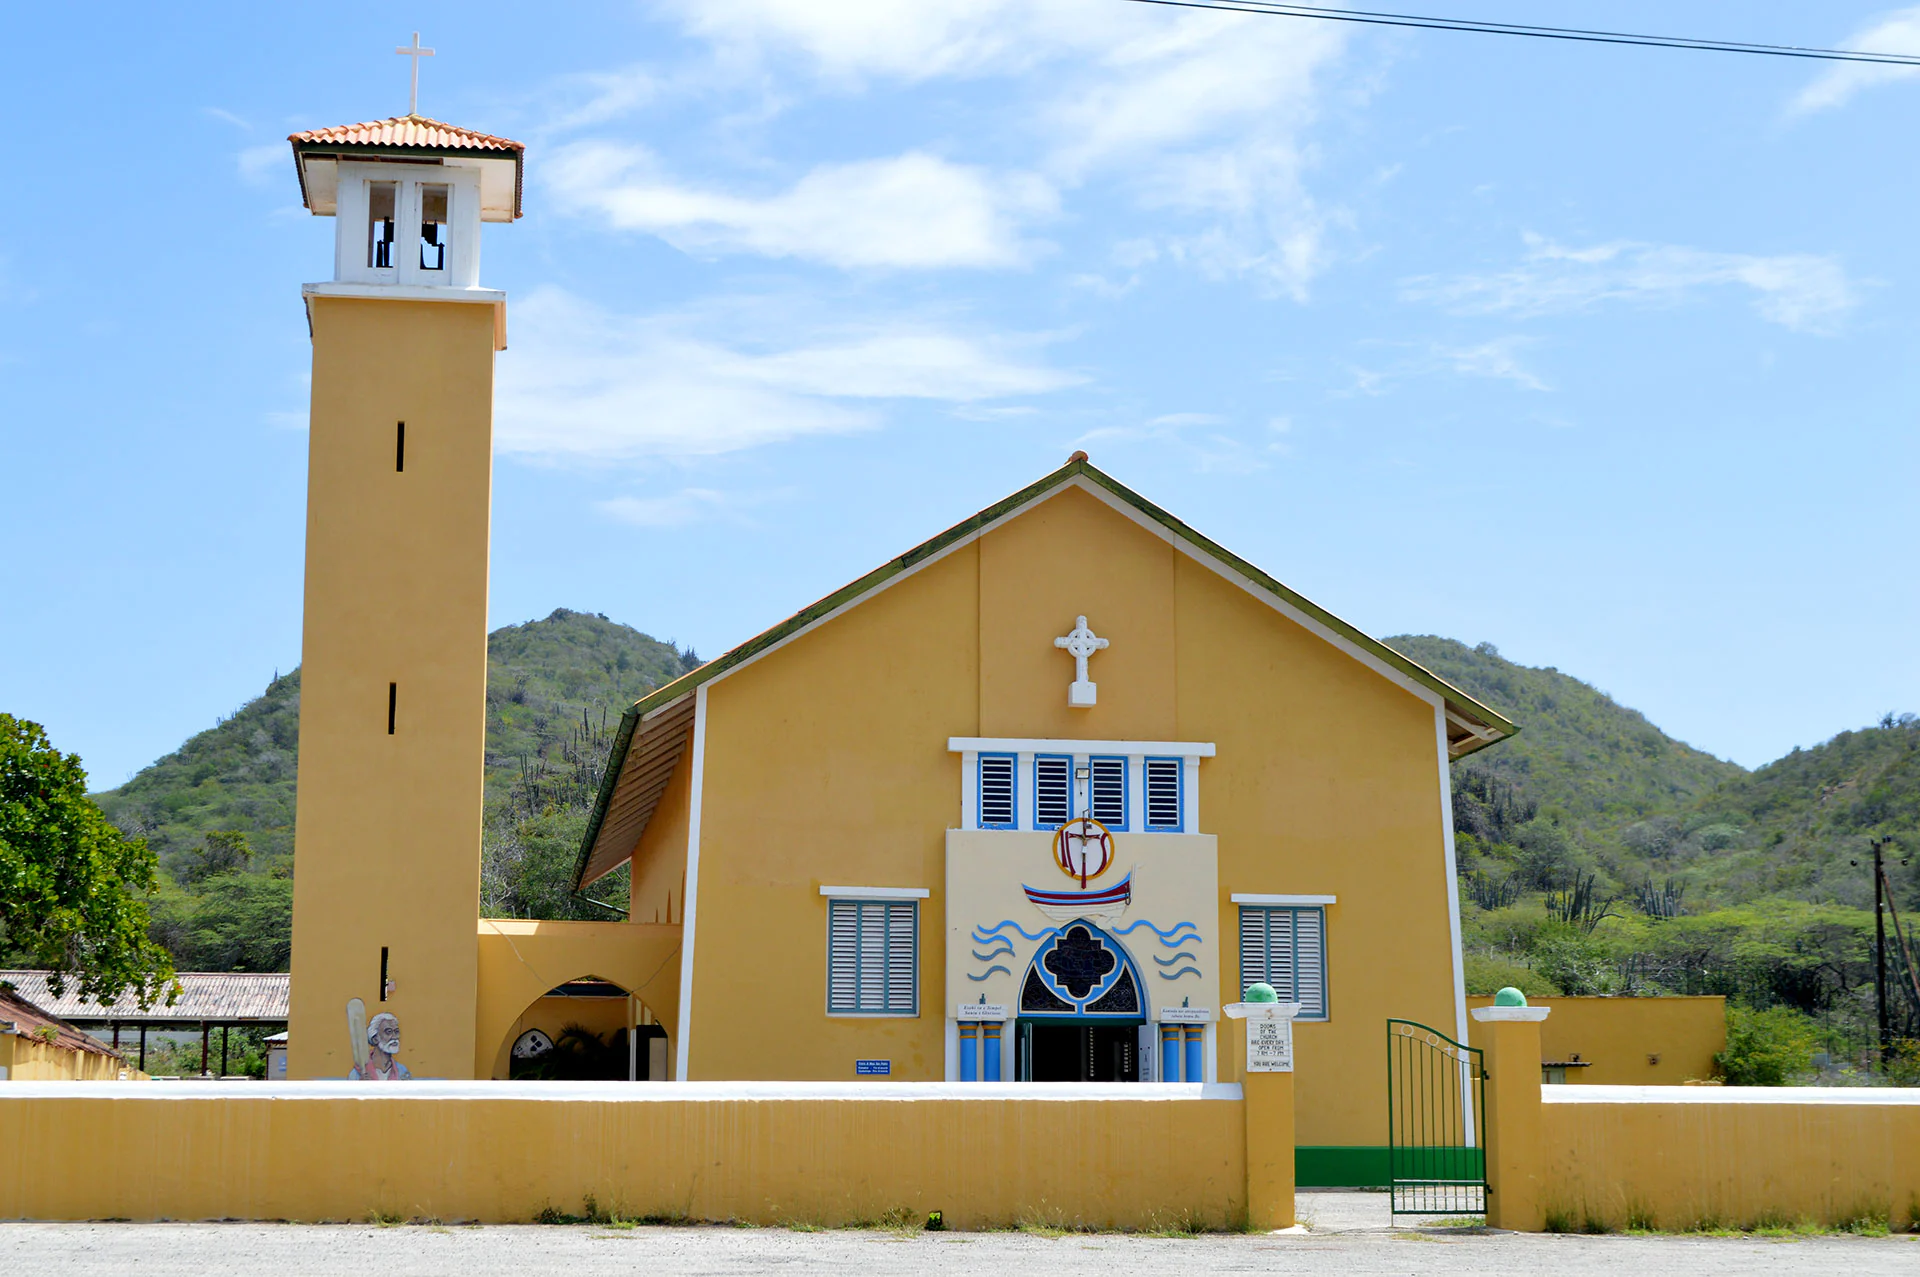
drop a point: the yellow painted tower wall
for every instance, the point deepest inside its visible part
(388, 825)
(826, 764)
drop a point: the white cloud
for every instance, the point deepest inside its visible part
(1198, 114)
(913, 210)
(677, 509)
(580, 382)
(1497, 359)
(1896, 32)
(261, 165)
(1803, 291)
(1201, 437)
(852, 40)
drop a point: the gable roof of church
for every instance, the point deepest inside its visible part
(654, 731)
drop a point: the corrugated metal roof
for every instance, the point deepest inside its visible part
(410, 131)
(219, 997)
(26, 1018)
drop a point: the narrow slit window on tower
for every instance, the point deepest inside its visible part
(433, 227)
(400, 447)
(393, 704)
(383, 973)
(380, 211)
(1052, 791)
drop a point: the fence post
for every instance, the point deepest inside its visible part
(1267, 1088)
(1516, 1147)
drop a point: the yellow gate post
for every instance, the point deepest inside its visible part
(1515, 1147)
(1268, 1090)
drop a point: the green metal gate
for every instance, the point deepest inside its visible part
(1436, 1140)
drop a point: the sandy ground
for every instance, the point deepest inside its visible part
(1349, 1233)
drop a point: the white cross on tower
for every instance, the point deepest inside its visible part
(416, 53)
(1081, 643)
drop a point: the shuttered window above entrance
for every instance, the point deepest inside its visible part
(1286, 946)
(1109, 792)
(997, 809)
(1052, 791)
(873, 957)
(1163, 794)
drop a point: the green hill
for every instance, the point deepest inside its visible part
(1580, 754)
(219, 811)
(1796, 826)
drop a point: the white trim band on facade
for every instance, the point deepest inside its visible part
(1258, 898)
(426, 1090)
(1509, 1013)
(1034, 745)
(875, 893)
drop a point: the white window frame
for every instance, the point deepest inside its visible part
(463, 225)
(1082, 754)
(1294, 907)
(891, 899)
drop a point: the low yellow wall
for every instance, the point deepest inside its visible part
(28, 1061)
(1730, 1156)
(1628, 1041)
(1117, 1156)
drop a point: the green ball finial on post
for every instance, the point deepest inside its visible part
(1509, 997)
(1261, 992)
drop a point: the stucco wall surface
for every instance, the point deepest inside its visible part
(826, 763)
(28, 1061)
(831, 1153)
(388, 821)
(1628, 1041)
(1732, 1156)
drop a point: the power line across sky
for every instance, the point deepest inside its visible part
(1578, 34)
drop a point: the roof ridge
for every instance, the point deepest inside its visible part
(1495, 726)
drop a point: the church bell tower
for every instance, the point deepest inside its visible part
(394, 646)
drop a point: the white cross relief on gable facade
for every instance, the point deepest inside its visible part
(1081, 643)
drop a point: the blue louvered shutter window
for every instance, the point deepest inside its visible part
(1163, 795)
(1286, 946)
(873, 957)
(1052, 791)
(1109, 786)
(997, 809)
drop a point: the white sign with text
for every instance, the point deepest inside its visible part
(1269, 1045)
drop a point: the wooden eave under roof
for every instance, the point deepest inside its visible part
(656, 730)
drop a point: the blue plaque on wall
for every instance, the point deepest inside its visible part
(873, 1068)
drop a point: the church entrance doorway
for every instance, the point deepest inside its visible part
(1079, 1052)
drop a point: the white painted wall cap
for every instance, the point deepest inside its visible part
(1261, 1010)
(1510, 1013)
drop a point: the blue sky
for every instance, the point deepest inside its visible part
(1604, 356)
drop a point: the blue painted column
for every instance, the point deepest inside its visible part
(969, 1052)
(990, 1048)
(1195, 1035)
(1169, 1053)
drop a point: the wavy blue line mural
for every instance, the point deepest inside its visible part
(1175, 975)
(982, 935)
(1166, 937)
(1173, 960)
(990, 970)
(991, 954)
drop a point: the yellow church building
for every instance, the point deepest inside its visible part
(1032, 801)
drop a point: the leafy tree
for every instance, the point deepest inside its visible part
(1766, 1048)
(73, 889)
